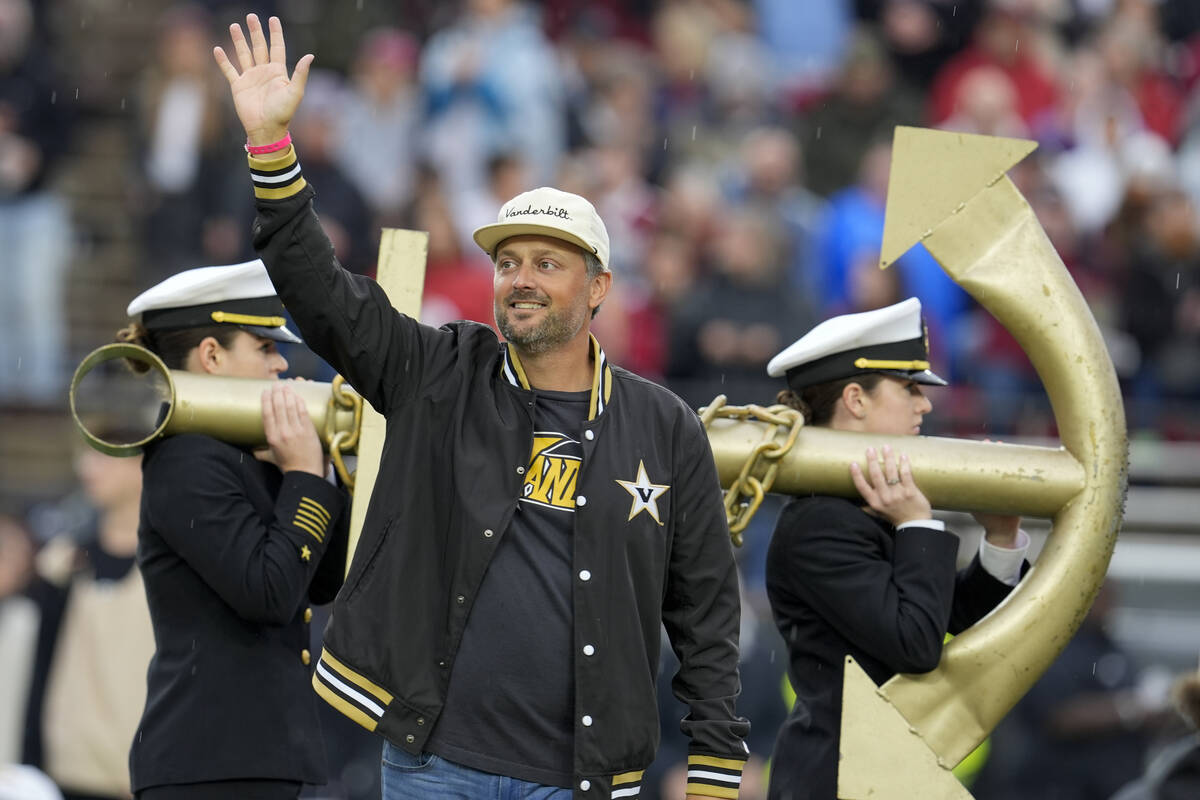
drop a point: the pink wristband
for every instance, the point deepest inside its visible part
(273, 147)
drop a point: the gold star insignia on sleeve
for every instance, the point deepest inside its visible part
(305, 553)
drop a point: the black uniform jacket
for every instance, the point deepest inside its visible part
(229, 550)
(842, 582)
(459, 439)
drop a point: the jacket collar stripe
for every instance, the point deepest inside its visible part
(601, 381)
(513, 369)
(514, 373)
(507, 370)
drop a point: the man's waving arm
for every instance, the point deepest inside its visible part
(346, 319)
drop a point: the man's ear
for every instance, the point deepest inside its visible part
(599, 289)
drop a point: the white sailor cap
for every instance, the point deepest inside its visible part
(239, 294)
(891, 340)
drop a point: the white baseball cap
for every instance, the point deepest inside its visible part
(891, 340)
(238, 294)
(548, 212)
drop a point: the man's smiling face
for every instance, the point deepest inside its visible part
(543, 295)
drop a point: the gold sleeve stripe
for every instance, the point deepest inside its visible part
(312, 505)
(276, 178)
(309, 513)
(710, 776)
(734, 764)
(305, 514)
(358, 680)
(705, 790)
(312, 519)
(273, 162)
(311, 522)
(312, 530)
(341, 705)
(627, 777)
(280, 194)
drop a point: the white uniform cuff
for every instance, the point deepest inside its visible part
(1003, 563)
(935, 524)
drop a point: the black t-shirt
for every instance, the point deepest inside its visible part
(512, 690)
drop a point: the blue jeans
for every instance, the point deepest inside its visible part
(429, 777)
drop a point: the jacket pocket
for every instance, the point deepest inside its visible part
(363, 563)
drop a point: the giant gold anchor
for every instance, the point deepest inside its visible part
(950, 192)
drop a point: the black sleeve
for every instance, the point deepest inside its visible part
(195, 498)
(346, 319)
(702, 608)
(976, 593)
(897, 610)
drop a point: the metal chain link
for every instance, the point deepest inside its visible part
(344, 441)
(746, 493)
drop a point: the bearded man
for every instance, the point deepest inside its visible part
(538, 516)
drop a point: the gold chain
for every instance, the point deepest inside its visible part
(746, 493)
(344, 441)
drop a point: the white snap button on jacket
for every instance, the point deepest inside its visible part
(585, 784)
(589, 435)
(588, 649)
(581, 501)
(584, 575)
(587, 721)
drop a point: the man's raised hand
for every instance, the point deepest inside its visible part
(264, 97)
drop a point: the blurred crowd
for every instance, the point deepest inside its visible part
(738, 151)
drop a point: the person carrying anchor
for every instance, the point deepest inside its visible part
(873, 578)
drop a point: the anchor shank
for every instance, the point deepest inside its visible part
(996, 250)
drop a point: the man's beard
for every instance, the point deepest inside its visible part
(555, 329)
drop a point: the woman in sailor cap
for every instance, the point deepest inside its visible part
(232, 547)
(874, 578)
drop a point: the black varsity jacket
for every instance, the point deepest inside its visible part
(651, 542)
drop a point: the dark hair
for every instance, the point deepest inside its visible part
(173, 346)
(817, 402)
